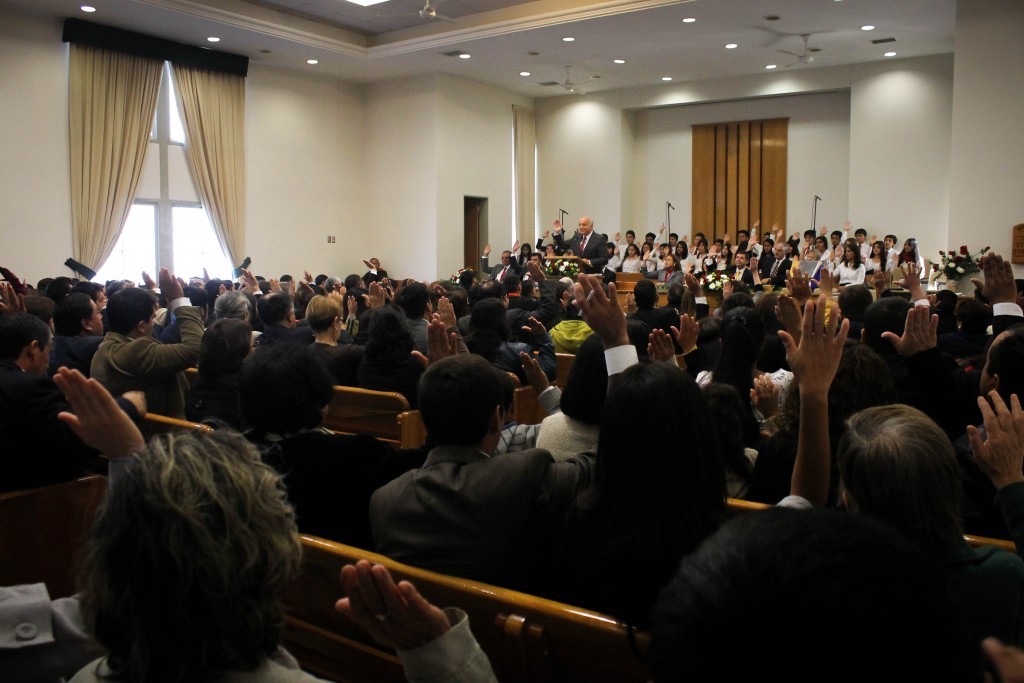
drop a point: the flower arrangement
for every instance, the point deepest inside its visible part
(713, 281)
(559, 268)
(957, 264)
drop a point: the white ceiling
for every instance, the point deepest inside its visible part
(500, 35)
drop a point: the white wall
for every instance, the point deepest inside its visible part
(305, 175)
(900, 127)
(584, 147)
(987, 165)
(818, 153)
(475, 158)
(35, 192)
(400, 171)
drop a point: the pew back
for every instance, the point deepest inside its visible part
(43, 531)
(526, 638)
(362, 411)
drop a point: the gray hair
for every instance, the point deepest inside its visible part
(232, 305)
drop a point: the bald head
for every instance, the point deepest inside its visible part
(586, 225)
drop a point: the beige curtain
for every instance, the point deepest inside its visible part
(112, 101)
(213, 110)
(525, 135)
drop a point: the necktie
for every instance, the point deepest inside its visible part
(775, 269)
(668, 272)
(583, 244)
(503, 271)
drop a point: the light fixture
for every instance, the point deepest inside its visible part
(731, 46)
(890, 54)
(867, 27)
(524, 73)
(689, 20)
(366, 3)
(87, 8)
(464, 55)
(619, 61)
(771, 66)
(213, 39)
(568, 39)
(312, 61)
(666, 78)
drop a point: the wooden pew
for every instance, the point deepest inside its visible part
(528, 410)
(414, 432)
(192, 375)
(361, 411)
(43, 531)
(154, 424)
(526, 638)
(563, 363)
(737, 506)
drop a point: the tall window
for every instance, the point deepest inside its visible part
(167, 225)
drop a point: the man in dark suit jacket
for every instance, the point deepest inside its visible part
(739, 271)
(589, 246)
(498, 272)
(776, 277)
(467, 514)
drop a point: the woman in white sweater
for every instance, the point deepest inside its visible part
(575, 429)
(849, 271)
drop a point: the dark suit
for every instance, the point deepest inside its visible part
(677, 275)
(746, 277)
(596, 250)
(495, 271)
(488, 519)
(779, 281)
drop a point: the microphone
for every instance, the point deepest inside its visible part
(818, 198)
(670, 206)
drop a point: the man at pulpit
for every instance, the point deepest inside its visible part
(588, 245)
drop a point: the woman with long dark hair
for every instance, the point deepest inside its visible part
(651, 503)
(850, 271)
(910, 254)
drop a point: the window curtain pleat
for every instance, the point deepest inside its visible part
(525, 136)
(112, 101)
(213, 112)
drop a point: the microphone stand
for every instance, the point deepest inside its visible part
(668, 216)
(814, 212)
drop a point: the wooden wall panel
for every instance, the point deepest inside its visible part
(721, 135)
(703, 179)
(739, 175)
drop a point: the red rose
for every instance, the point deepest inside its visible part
(963, 250)
(958, 259)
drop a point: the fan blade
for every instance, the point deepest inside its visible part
(787, 52)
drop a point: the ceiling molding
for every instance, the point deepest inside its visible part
(348, 44)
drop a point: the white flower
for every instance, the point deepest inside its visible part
(960, 270)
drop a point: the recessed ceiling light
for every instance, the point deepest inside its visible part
(366, 3)
(619, 61)
(312, 61)
(213, 39)
(666, 78)
(771, 66)
(524, 73)
(731, 46)
(867, 27)
(568, 39)
(87, 8)
(689, 20)
(464, 55)
(890, 54)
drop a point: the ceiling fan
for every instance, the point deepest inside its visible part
(569, 85)
(807, 56)
(426, 13)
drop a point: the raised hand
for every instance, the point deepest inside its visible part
(535, 376)
(660, 346)
(618, 236)
(12, 301)
(765, 396)
(375, 295)
(546, 234)
(96, 417)
(515, 246)
(686, 334)
(535, 327)
(788, 312)
(824, 229)
(1000, 455)
(394, 615)
(275, 285)
(251, 284)
(631, 306)
(487, 250)
(446, 313)
(601, 311)
(999, 287)
(148, 281)
(170, 286)
(693, 284)
(919, 334)
(814, 360)
(799, 286)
